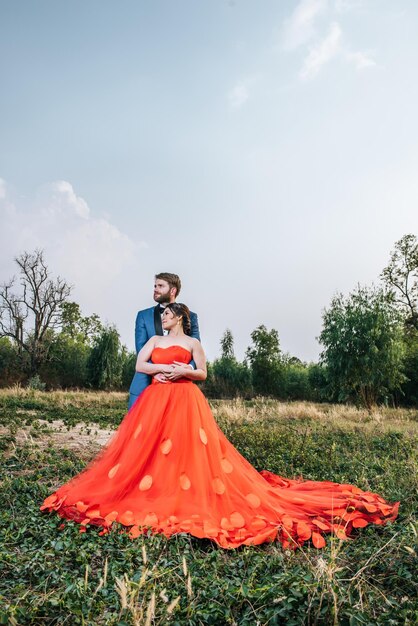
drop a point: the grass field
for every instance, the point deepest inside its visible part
(53, 576)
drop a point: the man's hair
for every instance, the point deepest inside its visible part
(172, 279)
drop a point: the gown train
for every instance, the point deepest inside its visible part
(169, 468)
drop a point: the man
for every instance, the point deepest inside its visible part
(148, 323)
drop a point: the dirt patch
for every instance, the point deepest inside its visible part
(86, 439)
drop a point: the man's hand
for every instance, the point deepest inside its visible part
(161, 378)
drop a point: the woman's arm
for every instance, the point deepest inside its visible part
(144, 356)
(199, 358)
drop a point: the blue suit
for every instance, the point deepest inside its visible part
(148, 324)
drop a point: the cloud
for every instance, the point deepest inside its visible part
(64, 197)
(238, 95)
(87, 250)
(322, 53)
(301, 31)
(343, 6)
(299, 27)
(2, 189)
(361, 60)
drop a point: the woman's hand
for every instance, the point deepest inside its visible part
(178, 370)
(163, 375)
(161, 378)
(165, 369)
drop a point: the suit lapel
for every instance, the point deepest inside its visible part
(157, 321)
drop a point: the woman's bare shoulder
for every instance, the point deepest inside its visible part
(195, 345)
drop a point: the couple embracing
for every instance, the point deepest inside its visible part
(149, 323)
(169, 468)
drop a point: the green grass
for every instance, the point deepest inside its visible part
(53, 576)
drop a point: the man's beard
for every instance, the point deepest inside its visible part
(164, 298)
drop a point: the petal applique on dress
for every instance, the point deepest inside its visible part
(170, 469)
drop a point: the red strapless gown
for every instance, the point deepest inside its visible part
(169, 468)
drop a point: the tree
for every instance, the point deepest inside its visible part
(128, 367)
(318, 383)
(70, 348)
(67, 362)
(227, 345)
(105, 361)
(296, 380)
(409, 389)
(30, 318)
(401, 279)
(363, 346)
(82, 329)
(10, 370)
(401, 276)
(264, 357)
(228, 378)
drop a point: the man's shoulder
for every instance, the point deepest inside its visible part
(152, 308)
(146, 311)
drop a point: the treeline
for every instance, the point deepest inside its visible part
(45, 341)
(84, 353)
(369, 343)
(266, 371)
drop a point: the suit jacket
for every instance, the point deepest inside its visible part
(148, 324)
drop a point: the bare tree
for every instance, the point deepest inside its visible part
(31, 317)
(401, 276)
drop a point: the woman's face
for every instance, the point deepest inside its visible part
(169, 320)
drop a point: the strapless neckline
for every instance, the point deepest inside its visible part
(173, 346)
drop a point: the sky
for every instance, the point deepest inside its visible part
(264, 151)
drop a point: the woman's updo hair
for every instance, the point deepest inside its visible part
(181, 310)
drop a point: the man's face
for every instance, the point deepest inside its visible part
(162, 291)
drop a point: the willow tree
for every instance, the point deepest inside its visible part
(105, 362)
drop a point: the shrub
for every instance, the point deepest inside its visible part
(35, 383)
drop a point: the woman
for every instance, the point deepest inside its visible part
(170, 469)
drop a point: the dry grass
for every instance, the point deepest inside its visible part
(88, 438)
(342, 416)
(61, 399)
